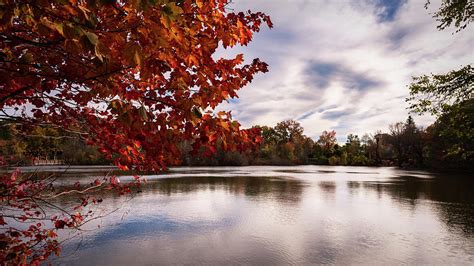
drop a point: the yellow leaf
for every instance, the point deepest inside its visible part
(59, 27)
(199, 3)
(192, 60)
(225, 125)
(137, 58)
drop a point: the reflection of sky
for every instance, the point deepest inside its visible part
(138, 229)
(343, 215)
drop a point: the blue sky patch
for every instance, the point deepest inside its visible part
(388, 9)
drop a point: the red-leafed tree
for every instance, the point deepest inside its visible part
(134, 78)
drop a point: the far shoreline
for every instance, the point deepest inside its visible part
(68, 169)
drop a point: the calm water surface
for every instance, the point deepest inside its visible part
(284, 215)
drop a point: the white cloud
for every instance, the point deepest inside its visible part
(338, 65)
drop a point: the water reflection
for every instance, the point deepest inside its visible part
(296, 215)
(451, 196)
(328, 186)
(277, 188)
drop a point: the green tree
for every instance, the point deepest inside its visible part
(452, 138)
(43, 142)
(12, 148)
(407, 142)
(454, 12)
(413, 142)
(288, 130)
(438, 93)
(355, 151)
(448, 96)
(371, 144)
(291, 141)
(268, 145)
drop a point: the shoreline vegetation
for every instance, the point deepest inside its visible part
(437, 147)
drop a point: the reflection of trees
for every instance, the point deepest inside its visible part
(282, 189)
(453, 196)
(328, 186)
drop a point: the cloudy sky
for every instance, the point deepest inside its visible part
(343, 65)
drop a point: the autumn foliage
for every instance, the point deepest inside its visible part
(134, 78)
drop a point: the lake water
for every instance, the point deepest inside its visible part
(284, 215)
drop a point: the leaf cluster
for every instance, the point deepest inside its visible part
(437, 93)
(134, 78)
(454, 12)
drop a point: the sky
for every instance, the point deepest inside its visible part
(343, 65)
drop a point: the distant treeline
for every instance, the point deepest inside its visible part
(448, 144)
(20, 145)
